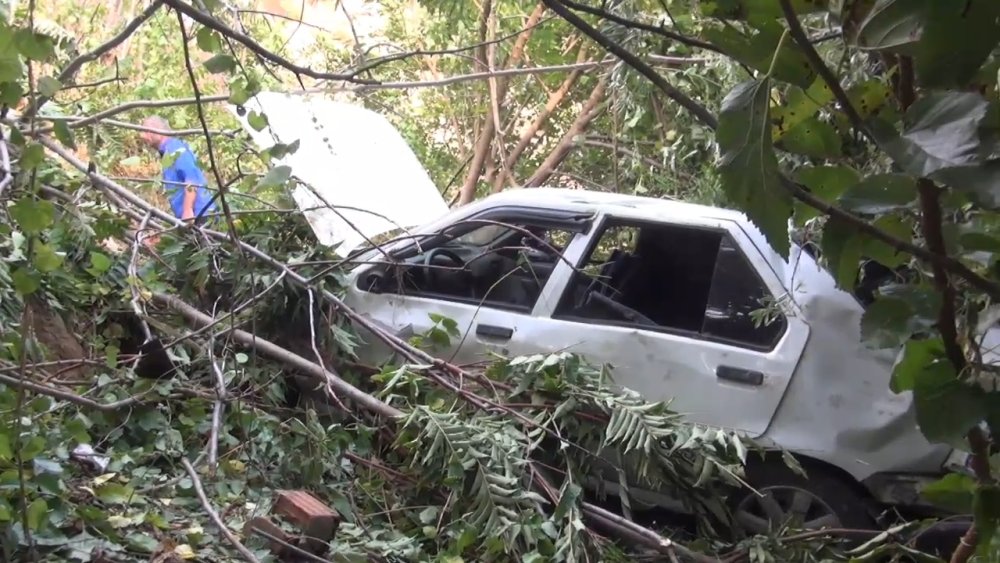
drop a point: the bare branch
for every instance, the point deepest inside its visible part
(200, 491)
(591, 109)
(800, 37)
(256, 48)
(696, 109)
(657, 29)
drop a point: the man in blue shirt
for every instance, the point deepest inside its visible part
(183, 180)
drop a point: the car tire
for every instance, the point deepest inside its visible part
(781, 497)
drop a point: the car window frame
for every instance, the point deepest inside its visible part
(610, 221)
(577, 223)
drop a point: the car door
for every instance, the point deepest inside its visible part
(713, 364)
(477, 325)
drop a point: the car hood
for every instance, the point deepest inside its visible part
(358, 176)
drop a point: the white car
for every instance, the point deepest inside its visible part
(670, 295)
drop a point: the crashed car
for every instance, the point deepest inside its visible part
(688, 304)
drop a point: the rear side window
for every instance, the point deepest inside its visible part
(691, 281)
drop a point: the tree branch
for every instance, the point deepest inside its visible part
(529, 132)
(800, 37)
(200, 491)
(696, 109)
(591, 109)
(657, 29)
(256, 48)
(74, 66)
(268, 348)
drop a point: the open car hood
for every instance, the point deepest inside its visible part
(359, 177)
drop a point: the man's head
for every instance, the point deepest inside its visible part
(149, 137)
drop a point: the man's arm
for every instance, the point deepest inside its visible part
(187, 207)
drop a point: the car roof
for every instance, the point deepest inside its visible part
(606, 201)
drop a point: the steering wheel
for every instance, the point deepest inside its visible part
(434, 253)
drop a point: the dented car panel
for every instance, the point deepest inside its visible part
(804, 383)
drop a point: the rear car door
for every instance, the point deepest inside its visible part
(687, 312)
(469, 290)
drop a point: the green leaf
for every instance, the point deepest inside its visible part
(429, 515)
(758, 51)
(936, 385)
(99, 262)
(915, 356)
(953, 492)
(941, 130)
(257, 120)
(799, 106)
(242, 89)
(813, 138)
(48, 86)
(168, 159)
(33, 215)
(980, 182)
(130, 161)
(893, 25)
(220, 63)
(11, 68)
(885, 323)
(567, 500)
(208, 40)
(748, 166)
(45, 258)
(824, 182)
(64, 134)
(34, 446)
(114, 493)
(957, 39)
(757, 9)
(986, 514)
(275, 177)
(869, 97)
(31, 156)
(6, 453)
(842, 249)
(881, 252)
(25, 281)
(281, 150)
(10, 92)
(879, 194)
(34, 46)
(36, 513)
(899, 312)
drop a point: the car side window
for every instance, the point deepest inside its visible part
(672, 278)
(493, 263)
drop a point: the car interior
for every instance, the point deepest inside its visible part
(653, 275)
(497, 264)
(671, 278)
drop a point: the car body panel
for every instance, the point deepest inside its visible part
(827, 395)
(358, 176)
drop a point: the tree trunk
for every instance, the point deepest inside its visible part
(590, 110)
(485, 141)
(529, 132)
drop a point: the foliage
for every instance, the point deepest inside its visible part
(907, 156)
(889, 124)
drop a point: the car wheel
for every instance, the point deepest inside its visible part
(782, 498)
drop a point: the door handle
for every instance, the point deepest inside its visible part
(493, 331)
(739, 375)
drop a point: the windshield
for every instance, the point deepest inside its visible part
(482, 236)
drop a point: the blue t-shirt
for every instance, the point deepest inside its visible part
(184, 170)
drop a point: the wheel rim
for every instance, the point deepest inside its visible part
(776, 507)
